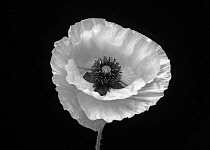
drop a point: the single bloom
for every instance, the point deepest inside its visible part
(104, 72)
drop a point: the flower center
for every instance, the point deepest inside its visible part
(106, 69)
(105, 75)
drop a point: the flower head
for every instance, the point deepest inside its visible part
(105, 72)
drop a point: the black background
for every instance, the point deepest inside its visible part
(34, 117)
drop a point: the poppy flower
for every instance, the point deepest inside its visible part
(105, 72)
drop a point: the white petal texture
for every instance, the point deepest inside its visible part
(145, 69)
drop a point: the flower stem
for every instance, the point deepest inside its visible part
(99, 137)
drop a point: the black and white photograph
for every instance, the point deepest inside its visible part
(102, 75)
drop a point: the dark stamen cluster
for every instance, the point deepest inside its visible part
(105, 74)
